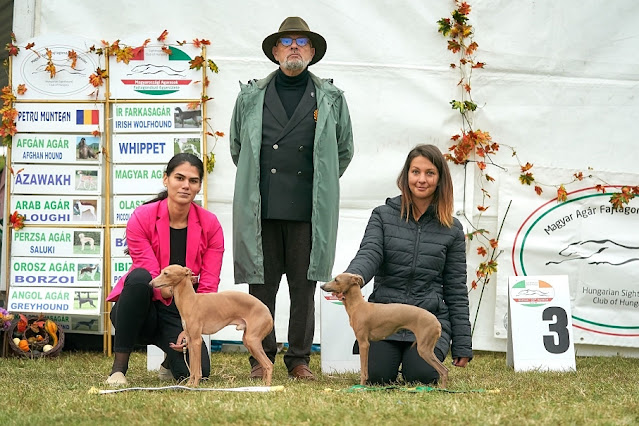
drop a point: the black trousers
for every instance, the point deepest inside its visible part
(386, 356)
(139, 320)
(287, 250)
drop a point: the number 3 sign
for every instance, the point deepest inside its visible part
(540, 324)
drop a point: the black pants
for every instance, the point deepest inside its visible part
(386, 356)
(287, 250)
(139, 320)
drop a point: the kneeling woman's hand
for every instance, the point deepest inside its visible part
(460, 362)
(180, 344)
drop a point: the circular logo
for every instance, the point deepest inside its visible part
(532, 293)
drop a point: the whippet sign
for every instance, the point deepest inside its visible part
(154, 148)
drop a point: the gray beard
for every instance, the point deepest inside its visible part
(295, 65)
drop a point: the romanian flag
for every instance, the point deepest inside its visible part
(87, 116)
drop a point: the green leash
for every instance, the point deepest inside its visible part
(363, 388)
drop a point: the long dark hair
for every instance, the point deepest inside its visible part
(178, 160)
(443, 196)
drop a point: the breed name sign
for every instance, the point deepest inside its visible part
(540, 335)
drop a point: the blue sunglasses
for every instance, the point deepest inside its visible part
(300, 41)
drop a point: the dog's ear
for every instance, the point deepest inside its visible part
(187, 271)
(359, 280)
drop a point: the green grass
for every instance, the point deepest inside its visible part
(603, 391)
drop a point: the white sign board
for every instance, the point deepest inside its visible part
(73, 63)
(540, 335)
(57, 242)
(47, 210)
(157, 117)
(118, 242)
(83, 301)
(56, 148)
(154, 73)
(157, 148)
(337, 336)
(138, 179)
(51, 117)
(57, 179)
(56, 272)
(119, 267)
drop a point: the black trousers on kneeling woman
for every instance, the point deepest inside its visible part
(139, 320)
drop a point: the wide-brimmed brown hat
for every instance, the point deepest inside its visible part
(295, 24)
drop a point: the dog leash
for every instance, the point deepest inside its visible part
(416, 389)
(96, 391)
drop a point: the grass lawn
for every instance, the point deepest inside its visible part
(602, 391)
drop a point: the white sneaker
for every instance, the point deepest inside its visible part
(116, 379)
(165, 374)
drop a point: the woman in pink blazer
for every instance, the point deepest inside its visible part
(169, 229)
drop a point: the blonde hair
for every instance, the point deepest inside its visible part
(443, 196)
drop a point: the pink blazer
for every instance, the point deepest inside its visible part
(148, 239)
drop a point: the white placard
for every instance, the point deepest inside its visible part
(138, 179)
(82, 301)
(56, 272)
(46, 179)
(157, 117)
(153, 73)
(44, 210)
(55, 148)
(155, 148)
(119, 267)
(337, 336)
(51, 117)
(118, 242)
(540, 335)
(57, 242)
(71, 79)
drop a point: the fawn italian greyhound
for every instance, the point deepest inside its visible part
(207, 313)
(376, 321)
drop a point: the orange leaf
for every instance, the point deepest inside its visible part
(478, 65)
(162, 36)
(473, 285)
(97, 78)
(124, 55)
(96, 133)
(220, 134)
(193, 105)
(481, 251)
(74, 58)
(481, 165)
(527, 167)
(494, 243)
(579, 176)
(196, 63)
(538, 189)
(464, 8)
(51, 68)
(167, 50)
(600, 188)
(482, 208)
(22, 89)
(561, 194)
(198, 43)
(471, 48)
(29, 46)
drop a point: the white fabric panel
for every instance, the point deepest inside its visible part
(559, 85)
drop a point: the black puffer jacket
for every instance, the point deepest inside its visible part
(421, 263)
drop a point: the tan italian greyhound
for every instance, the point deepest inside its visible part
(376, 321)
(207, 313)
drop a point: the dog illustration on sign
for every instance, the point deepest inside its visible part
(80, 207)
(89, 272)
(89, 324)
(85, 151)
(188, 145)
(598, 252)
(86, 180)
(188, 118)
(86, 241)
(84, 297)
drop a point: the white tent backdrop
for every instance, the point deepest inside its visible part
(559, 85)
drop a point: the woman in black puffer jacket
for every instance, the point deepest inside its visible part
(415, 250)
